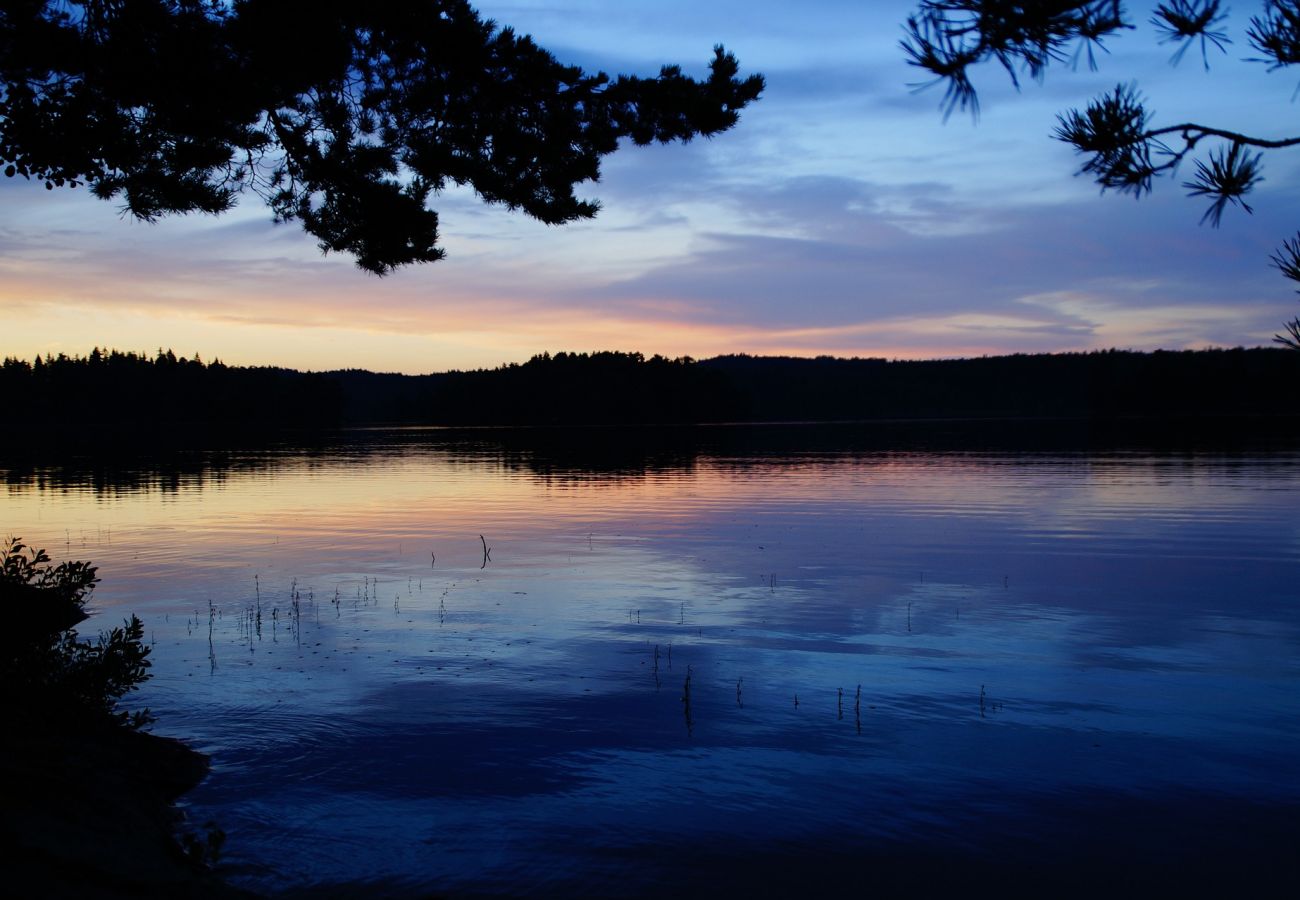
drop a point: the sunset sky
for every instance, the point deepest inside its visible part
(842, 216)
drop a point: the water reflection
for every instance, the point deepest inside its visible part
(708, 666)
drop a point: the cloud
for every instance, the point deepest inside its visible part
(842, 216)
(852, 251)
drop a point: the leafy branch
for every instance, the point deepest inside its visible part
(947, 37)
(345, 117)
(1126, 155)
(1186, 21)
(1287, 259)
(46, 670)
(1123, 151)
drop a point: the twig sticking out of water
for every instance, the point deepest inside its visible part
(487, 552)
(212, 652)
(686, 702)
(985, 703)
(857, 709)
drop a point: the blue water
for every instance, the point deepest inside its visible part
(908, 670)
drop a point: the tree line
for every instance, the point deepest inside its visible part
(134, 390)
(131, 390)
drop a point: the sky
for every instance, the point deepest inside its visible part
(842, 216)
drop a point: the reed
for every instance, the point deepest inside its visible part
(295, 608)
(686, 703)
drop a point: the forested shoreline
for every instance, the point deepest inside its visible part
(110, 390)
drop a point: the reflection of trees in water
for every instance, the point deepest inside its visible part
(618, 455)
(599, 456)
(128, 467)
(108, 477)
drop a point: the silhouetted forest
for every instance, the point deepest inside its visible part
(129, 390)
(1098, 385)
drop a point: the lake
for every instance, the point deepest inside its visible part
(750, 661)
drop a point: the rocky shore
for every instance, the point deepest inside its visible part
(89, 813)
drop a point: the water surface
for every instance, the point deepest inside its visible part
(717, 666)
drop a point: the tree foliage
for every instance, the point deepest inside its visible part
(343, 116)
(1123, 149)
(47, 671)
(1287, 259)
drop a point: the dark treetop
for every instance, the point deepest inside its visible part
(344, 116)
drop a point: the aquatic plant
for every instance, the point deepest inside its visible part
(204, 848)
(686, 703)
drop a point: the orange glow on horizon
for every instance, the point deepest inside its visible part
(461, 330)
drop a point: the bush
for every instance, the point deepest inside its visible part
(49, 673)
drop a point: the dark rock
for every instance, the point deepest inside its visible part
(88, 814)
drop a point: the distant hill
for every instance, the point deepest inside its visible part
(1106, 384)
(126, 390)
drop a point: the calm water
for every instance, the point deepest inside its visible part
(711, 667)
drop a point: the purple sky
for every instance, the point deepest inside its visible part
(842, 215)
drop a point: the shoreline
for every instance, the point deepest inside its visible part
(90, 812)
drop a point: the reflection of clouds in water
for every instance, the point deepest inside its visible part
(1026, 630)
